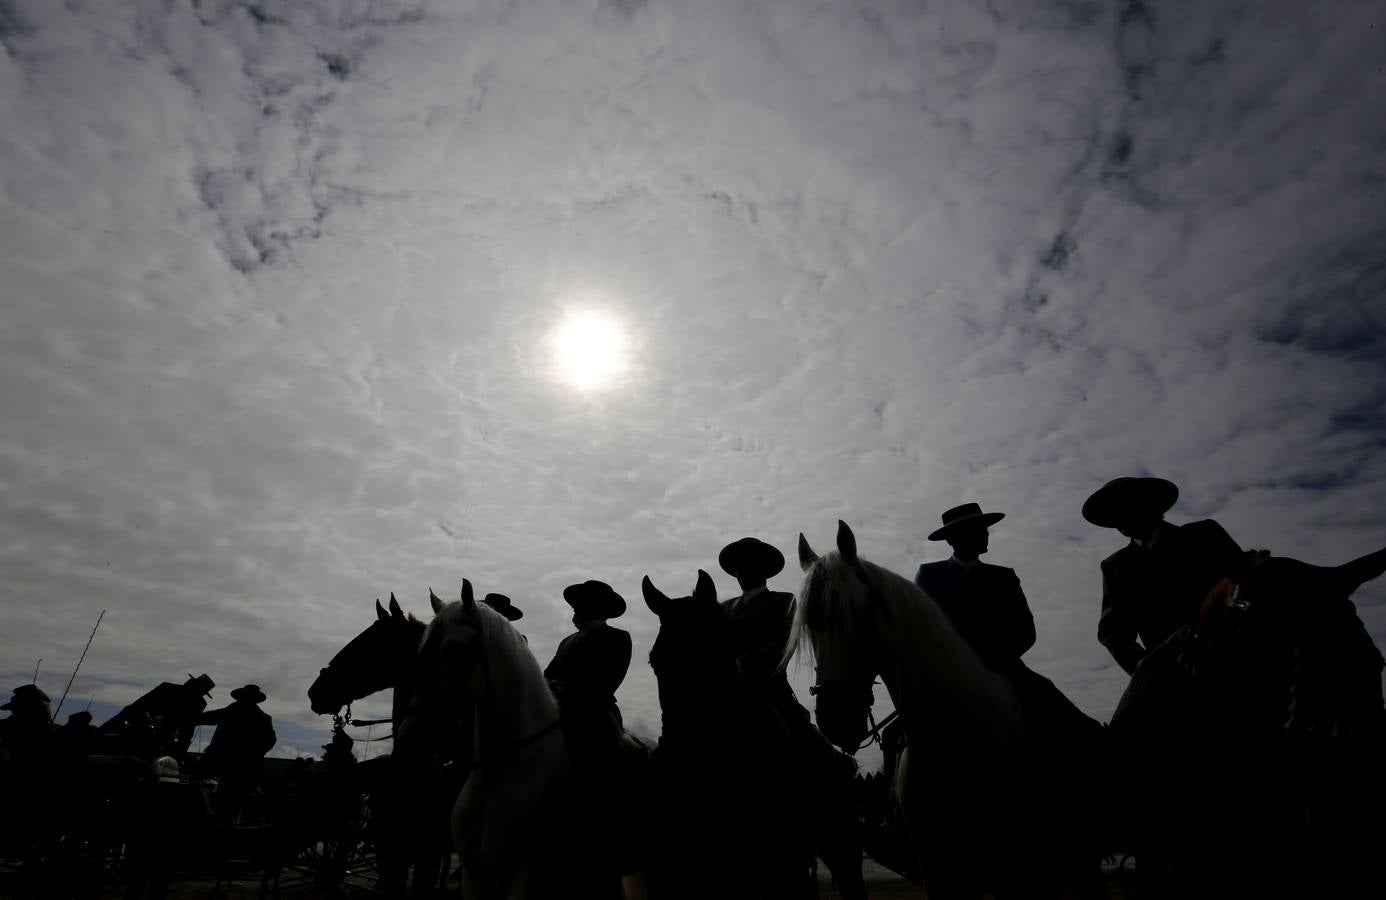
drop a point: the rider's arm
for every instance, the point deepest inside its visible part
(1115, 628)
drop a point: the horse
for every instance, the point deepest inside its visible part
(1254, 733)
(969, 789)
(410, 830)
(517, 826)
(721, 785)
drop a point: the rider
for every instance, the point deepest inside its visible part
(27, 730)
(760, 621)
(501, 604)
(988, 608)
(585, 672)
(1156, 583)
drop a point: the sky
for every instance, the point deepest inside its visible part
(284, 286)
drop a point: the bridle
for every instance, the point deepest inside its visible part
(843, 688)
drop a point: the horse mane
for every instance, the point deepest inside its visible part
(506, 652)
(938, 670)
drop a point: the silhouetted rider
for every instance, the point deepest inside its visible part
(760, 620)
(1155, 584)
(988, 608)
(585, 672)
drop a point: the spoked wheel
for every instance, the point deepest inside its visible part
(338, 864)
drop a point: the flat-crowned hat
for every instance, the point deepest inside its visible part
(1120, 499)
(595, 598)
(203, 681)
(78, 719)
(960, 516)
(25, 694)
(501, 604)
(751, 557)
(250, 693)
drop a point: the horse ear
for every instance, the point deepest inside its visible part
(395, 611)
(380, 612)
(846, 542)
(468, 598)
(655, 600)
(434, 602)
(806, 555)
(704, 590)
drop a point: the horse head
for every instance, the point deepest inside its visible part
(375, 659)
(834, 609)
(692, 653)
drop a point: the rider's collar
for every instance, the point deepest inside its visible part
(755, 592)
(968, 566)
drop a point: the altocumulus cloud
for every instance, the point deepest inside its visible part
(279, 276)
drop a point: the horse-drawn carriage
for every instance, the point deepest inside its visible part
(103, 824)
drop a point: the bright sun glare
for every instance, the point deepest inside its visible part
(591, 350)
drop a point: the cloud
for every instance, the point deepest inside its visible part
(279, 281)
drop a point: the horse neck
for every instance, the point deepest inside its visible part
(404, 675)
(935, 680)
(516, 704)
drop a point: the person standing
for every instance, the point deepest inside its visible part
(1156, 583)
(171, 708)
(236, 754)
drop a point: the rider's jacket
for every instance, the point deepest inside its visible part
(1151, 590)
(588, 667)
(760, 621)
(986, 606)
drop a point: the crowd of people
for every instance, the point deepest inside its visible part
(1152, 586)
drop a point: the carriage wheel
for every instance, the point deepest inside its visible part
(341, 864)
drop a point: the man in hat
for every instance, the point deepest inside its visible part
(236, 754)
(988, 608)
(501, 604)
(984, 602)
(586, 670)
(1155, 584)
(29, 725)
(760, 620)
(173, 708)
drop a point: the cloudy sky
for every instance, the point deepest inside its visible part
(283, 285)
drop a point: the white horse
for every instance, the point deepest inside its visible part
(514, 821)
(960, 787)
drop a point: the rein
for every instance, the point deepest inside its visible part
(342, 720)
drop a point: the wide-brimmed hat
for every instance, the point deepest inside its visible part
(25, 694)
(250, 693)
(203, 681)
(501, 604)
(1122, 499)
(750, 557)
(595, 598)
(968, 514)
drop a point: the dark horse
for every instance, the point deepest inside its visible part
(728, 813)
(384, 656)
(1254, 738)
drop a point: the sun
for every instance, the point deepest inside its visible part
(590, 350)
